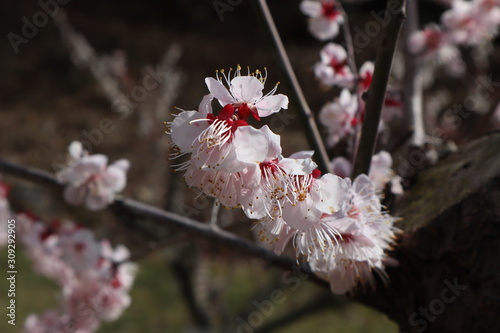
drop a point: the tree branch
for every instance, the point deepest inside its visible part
(413, 81)
(143, 211)
(298, 98)
(376, 94)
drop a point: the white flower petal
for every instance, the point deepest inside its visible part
(114, 179)
(323, 28)
(185, 129)
(75, 195)
(75, 149)
(311, 8)
(333, 193)
(271, 104)
(297, 166)
(247, 89)
(206, 105)
(218, 90)
(251, 145)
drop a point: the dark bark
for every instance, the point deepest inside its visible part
(448, 279)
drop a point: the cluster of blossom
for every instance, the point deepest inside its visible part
(468, 23)
(89, 180)
(325, 18)
(95, 278)
(343, 116)
(335, 224)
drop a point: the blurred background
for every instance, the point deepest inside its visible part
(109, 74)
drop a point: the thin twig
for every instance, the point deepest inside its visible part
(143, 211)
(298, 98)
(351, 57)
(413, 81)
(376, 94)
(315, 305)
(160, 245)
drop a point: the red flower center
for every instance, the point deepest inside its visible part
(330, 10)
(433, 38)
(338, 67)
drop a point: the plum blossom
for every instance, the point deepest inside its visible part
(428, 41)
(340, 116)
(366, 75)
(392, 103)
(325, 18)
(273, 173)
(245, 94)
(364, 232)
(89, 180)
(241, 166)
(333, 68)
(227, 157)
(214, 165)
(472, 22)
(338, 227)
(94, 277)
(302, 217)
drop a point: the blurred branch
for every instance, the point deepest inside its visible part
(184, 275)
(376, 94)
(143, 211)
(298, 98)
(313, 306)
(84, 55)
(412, 93)
(351, 57)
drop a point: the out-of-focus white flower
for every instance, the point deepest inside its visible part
(49, 321)
(325, 18)
(472, 22)
(340, 117)
(341, 167)
(428, 41)
(380, 171)
(79, 248)
(366, 75)
(333, 68)
(89, 180)
(94, 277)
